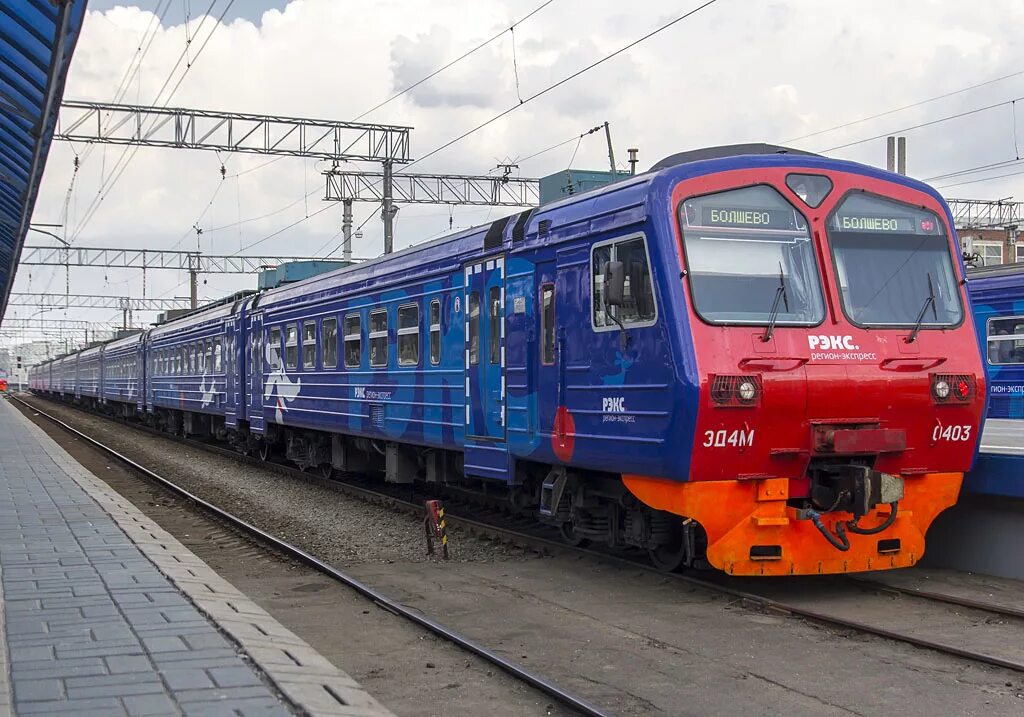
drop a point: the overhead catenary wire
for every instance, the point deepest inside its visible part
(457, 60)
(920, 125)
(130, 151)
(559, 83)
(905, 107)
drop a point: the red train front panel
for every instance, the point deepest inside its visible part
(841, 384)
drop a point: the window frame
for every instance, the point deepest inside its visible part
(325, 345)
(954, 266)
(385, 334)
(997, 339)
(989, 243)
(358, 316)
(823, 286)
(650, 267)
(473, 296)
(554, 323)
(407, 331)
(276, 347)
(431, 329)
(294, 326)
(308, 365)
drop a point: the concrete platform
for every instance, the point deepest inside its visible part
(102, 612)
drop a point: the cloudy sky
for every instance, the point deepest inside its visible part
(737, 71)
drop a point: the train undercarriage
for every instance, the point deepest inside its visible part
(586, 507)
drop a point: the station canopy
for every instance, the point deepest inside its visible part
(37, 39)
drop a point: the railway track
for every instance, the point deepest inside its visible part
(532, 679)
(757, 599)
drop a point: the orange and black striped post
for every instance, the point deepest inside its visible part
(435, 527)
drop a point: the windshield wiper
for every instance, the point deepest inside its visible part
(780, 295)
(930, 301)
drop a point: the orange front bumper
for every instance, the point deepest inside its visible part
(738, 515)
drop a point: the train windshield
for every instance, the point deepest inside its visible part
(894, 265)
(750, 259)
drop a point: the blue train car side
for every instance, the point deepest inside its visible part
(123, 375)
(185, 387)
(997, 298)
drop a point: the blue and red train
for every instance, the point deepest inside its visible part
(746, 356)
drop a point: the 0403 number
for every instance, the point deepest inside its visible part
(951, 433)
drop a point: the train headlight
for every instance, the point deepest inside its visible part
(962, 389)
(747, 391)
(952, 388)
(743, 391)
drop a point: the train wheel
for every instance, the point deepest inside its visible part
(264, 450)
(669, 557)
(571, 536)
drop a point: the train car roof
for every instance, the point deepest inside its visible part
(124, 341)
(988, 272)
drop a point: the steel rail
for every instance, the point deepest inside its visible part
(1005, 610)
(540, 683)
(545, 544)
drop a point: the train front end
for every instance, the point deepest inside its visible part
(841, 388)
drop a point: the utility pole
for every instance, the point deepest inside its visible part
(193, 280)
(611, 152)
(346, 229)
(387, 209)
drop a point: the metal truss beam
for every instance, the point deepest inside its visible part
(15, 324)
(434, 189)
(151, 259)
(231, 132)
(94, 301)
(985, 214)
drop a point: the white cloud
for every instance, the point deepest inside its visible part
(735, 72)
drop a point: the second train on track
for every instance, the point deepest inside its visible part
(747, 356)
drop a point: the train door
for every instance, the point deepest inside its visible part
(255, 373)
(226, 363)
(486, 450)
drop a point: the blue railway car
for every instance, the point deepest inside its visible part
(997, 296)
(88, 374)
(185, 388)
(124, 375)
(703, 361)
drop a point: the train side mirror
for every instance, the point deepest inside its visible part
(614, 283)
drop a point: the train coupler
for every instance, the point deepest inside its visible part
(853, 489)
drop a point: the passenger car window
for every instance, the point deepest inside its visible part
(218, 358)
(638, 305)
(309, 344)
(547, 324)
(353, 341)
(408, 335)
(291, 346)
(274, 355)
(474, 328)
(494, 308)
(379, 338)
(329, 343)
(1005, 340)
(435, 332)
